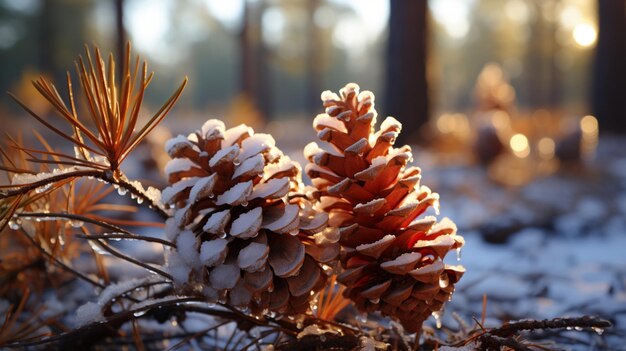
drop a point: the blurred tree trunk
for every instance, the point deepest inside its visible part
(406, 87)
(46, 37)
(120, 38)
(313, 60)
(609, 80)
(254, 80)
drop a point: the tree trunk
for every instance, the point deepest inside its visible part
(609, 80)
(120, 38)
(313, 61)
(406, 87)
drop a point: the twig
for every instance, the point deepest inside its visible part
(81, 218)
(61, 264)
(510, 328)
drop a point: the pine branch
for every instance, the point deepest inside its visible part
(119, 180)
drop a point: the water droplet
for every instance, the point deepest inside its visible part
(569, 328)
(14, 225)
(295, 231)
(375, 301)
(122, 191)
(362, 318)
(244, 204)
(578, 328)
(236, 162)
(139, 313)
(458, 254)
(76, 223)
(140, 200)
(444, 281)
(599, 331)
(222, 235)
(437, 315)
(211, 195)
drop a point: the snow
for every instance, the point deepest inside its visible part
(251, 166)
(403, 263)
(171, 191)
(176, 165)
(176, 267)
(217, 222)
(213, 252)
(253, 257)
(175, 145)
(232, 134)
(286, 222)
(247, 225)
(202, 188)
(211, 125)
(272, 189)
(236, 195)
(88, 313)
(224, 276)
(377, 247)
(226, 154)
(256, 144)
(186, 244)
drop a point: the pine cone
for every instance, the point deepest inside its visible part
(392, 260)
(244, 235)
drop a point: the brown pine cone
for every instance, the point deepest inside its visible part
(392, 260)
(244, 234)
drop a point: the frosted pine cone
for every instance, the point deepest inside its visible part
(392, 260)
(243, 234)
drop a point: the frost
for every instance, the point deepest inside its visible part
(213, 252)
(21, 179)
(236, 195)
(247, 225)
(88, 313)
(178, 165)
(256, 144)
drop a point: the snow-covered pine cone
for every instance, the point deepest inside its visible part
(244, 235)
(392, 260)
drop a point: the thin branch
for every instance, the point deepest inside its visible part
(508, 329)
(115, 236)
(61, 264)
